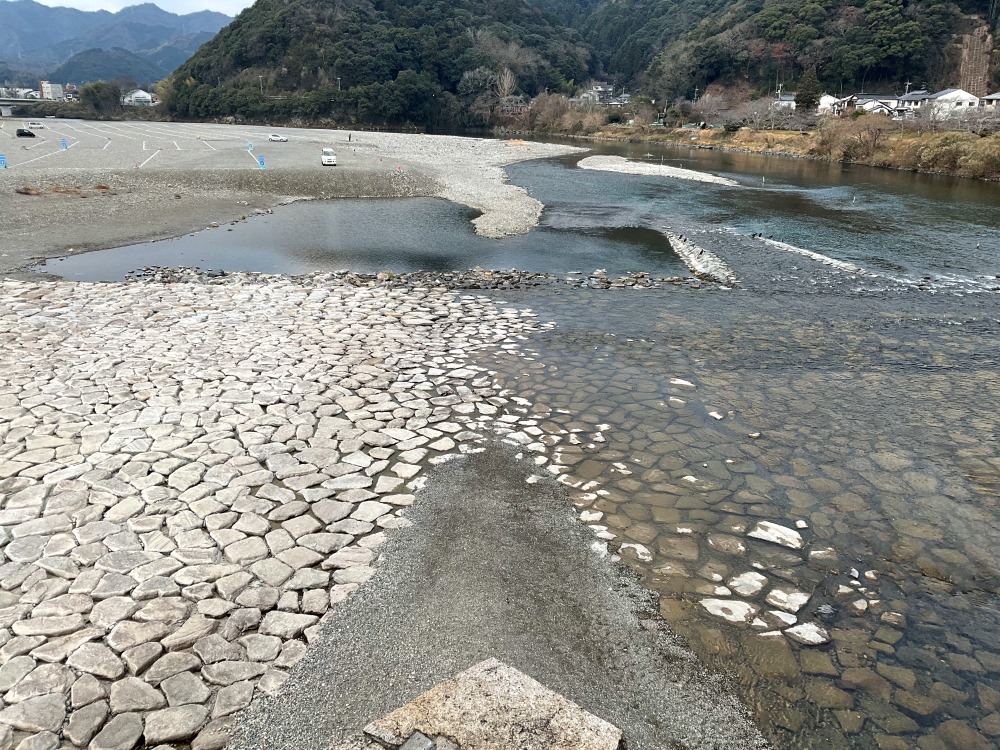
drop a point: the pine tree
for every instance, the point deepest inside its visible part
(807, 96)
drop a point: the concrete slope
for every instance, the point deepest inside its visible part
(495, 567)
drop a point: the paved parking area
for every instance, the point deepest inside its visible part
(162, 145)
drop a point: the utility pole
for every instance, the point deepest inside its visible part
(261, 85)
(695, 93)
(908, 84)
(338, 83)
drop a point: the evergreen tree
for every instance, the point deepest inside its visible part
(807, 96)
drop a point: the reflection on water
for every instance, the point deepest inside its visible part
(399, 235)
(885, 219)
(866, 427)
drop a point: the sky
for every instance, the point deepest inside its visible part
(229, 7)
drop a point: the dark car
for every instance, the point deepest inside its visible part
(24, 133)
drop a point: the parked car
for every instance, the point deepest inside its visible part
(24, 133)
(328, 158)
(278, 138)
(35, 125)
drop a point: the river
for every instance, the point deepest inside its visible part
(859, 414)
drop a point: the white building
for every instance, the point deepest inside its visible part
(137, 98)
(827, 104)
(942, 104)
(50, 91)
(784, 101)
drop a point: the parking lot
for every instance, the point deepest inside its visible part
(159, 145)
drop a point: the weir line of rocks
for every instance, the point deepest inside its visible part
(193, 475)
(703, 263)
(476, 278)
(826, 260)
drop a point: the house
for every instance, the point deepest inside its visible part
(784, 101)
(939, 105)
(598, 93)
(874, 104)
(137, 98)
(513, 106)
(991, 102)
(620, 101)
(827, 104)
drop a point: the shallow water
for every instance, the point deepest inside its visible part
(899, 222)
(869, 422)
(399, 235)
(861, 415)
(903, 224)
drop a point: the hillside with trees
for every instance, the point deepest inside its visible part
(676, 46)
(458, 64)
(105, 65)
(422, 61)
(38, 39)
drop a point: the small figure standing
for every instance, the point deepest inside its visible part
(348, 137)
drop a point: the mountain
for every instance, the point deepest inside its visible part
(37, 38)
(379, 60)
(106, 65)
(673, 47)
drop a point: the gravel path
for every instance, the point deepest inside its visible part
(497, 565)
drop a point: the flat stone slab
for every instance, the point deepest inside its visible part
(491, 706)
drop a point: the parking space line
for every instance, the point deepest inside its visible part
(106, 145)
(210, 145)
(147, 160)
(253, 157)
(117, 135)
(176, 146)
(21, 164)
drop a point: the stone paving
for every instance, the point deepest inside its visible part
(193, 475)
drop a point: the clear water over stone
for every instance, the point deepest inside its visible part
(857, 435)
(805, 469)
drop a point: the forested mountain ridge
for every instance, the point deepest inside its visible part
(379, 60)
(435, 62)
(675, 46)
(37, 38)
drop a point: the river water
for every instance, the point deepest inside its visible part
(858, 414)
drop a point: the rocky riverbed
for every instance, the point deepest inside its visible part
(194, 476)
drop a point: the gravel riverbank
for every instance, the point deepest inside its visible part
(123, 183)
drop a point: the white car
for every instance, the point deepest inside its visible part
(36, 125)
(328, 158)
(278, 138)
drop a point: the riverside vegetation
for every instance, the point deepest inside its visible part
(870, 140)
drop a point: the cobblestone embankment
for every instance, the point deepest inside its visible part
(192, 476)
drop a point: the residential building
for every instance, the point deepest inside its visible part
(137, 98)
(991, 102)
(827, 104)
(939, 105)
(784, 101)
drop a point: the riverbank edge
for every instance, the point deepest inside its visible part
(181, 202)
(696, 141)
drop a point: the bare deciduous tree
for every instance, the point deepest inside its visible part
(504, 84)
